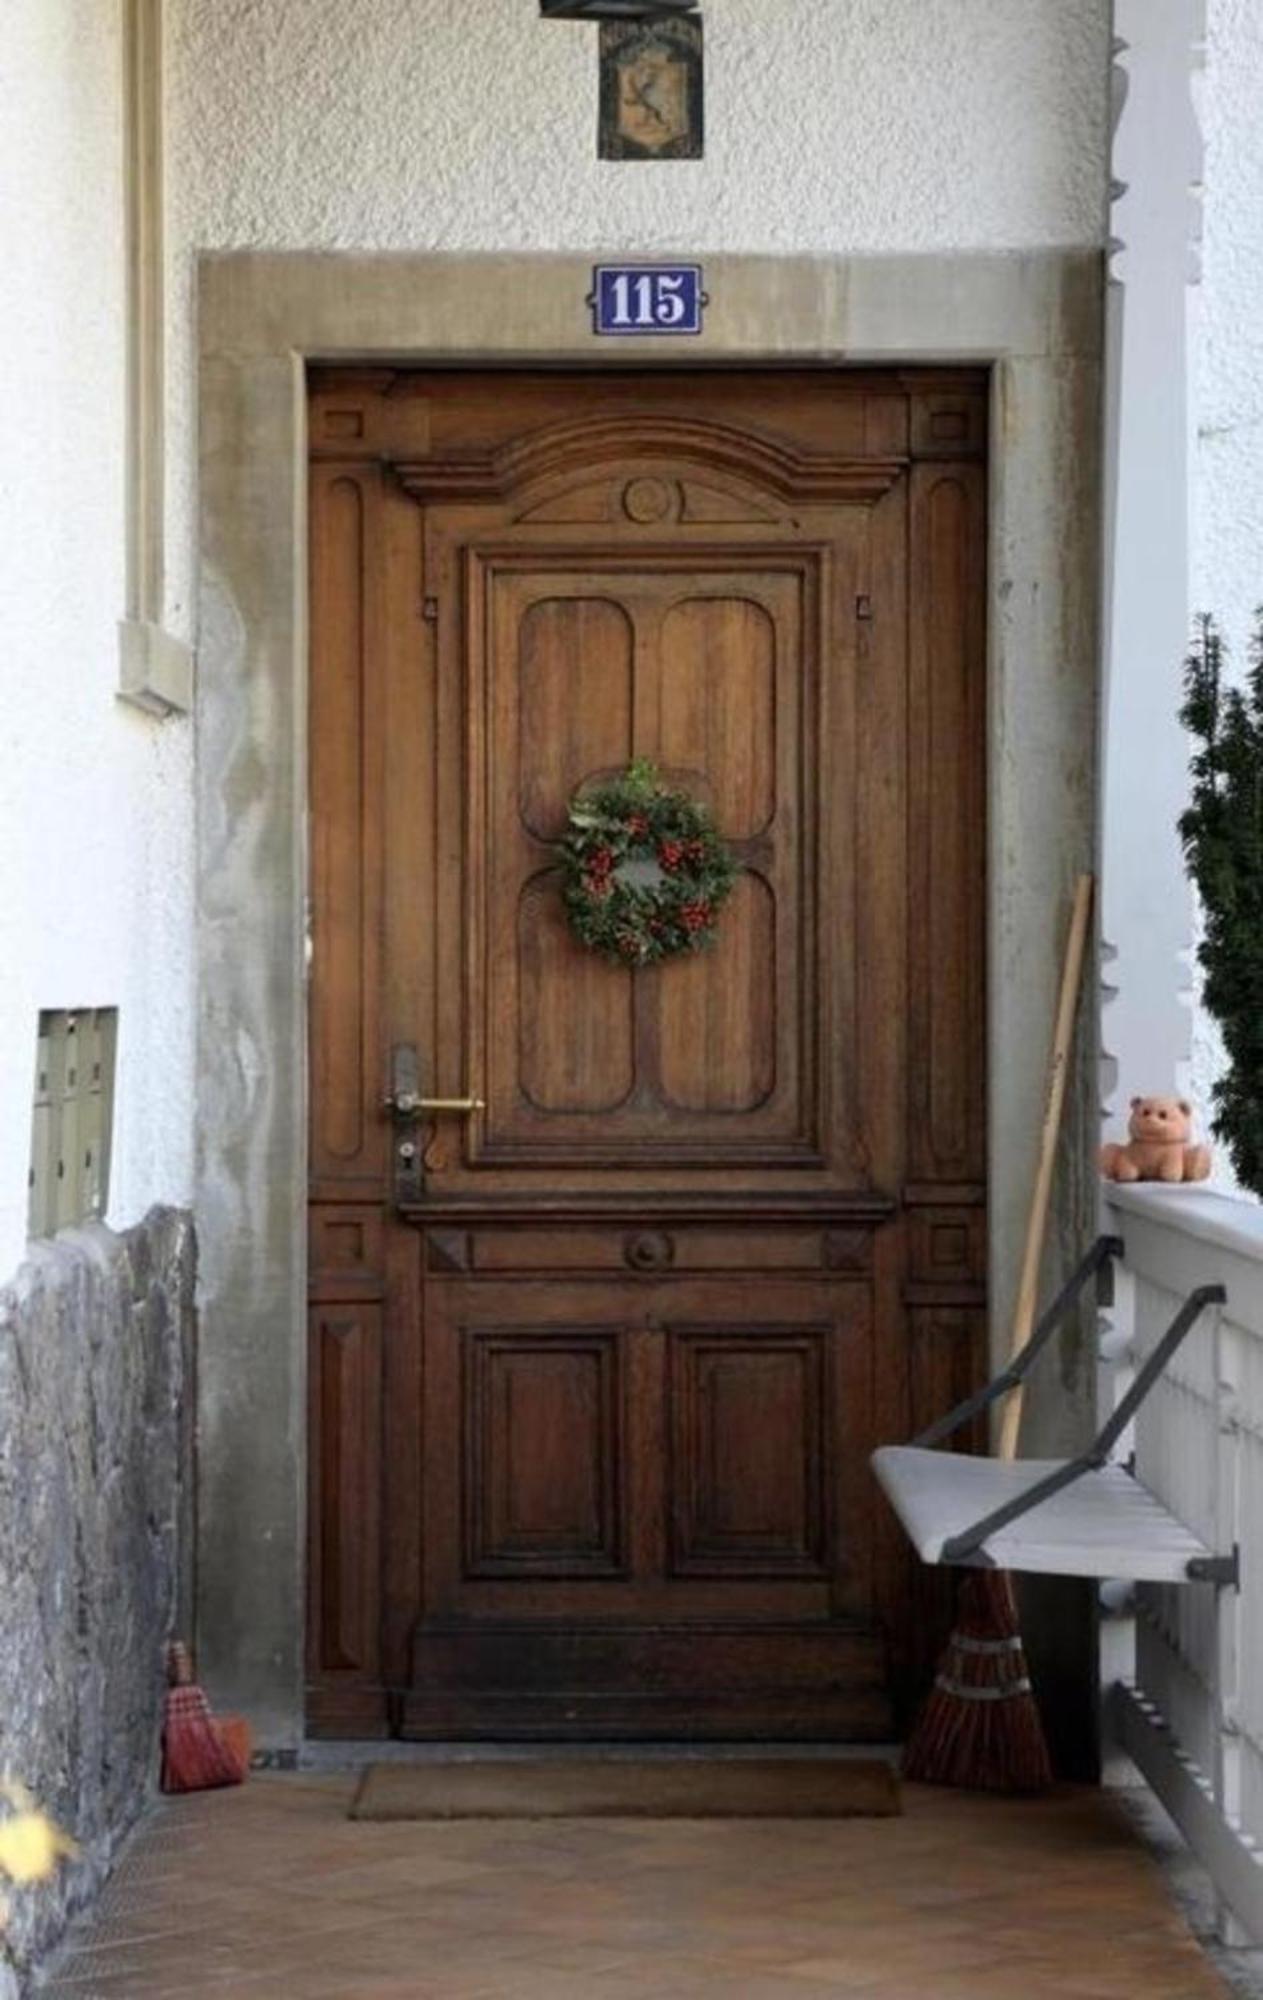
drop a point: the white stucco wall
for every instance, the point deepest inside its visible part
(421, 124)
(874, 125)
(94, 799)
(1228, 383)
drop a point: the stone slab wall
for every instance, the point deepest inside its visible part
(95, 1348)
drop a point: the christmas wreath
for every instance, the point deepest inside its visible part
(645, 872)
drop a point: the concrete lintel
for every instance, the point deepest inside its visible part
(971, 306)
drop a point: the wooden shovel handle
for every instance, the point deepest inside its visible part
(1037, 1219)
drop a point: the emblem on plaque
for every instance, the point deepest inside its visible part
(651, 89)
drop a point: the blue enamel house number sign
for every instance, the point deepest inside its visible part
(647, 298)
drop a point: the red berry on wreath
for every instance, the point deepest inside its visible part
(695, 851)
(602, 861)
(599, 886)
(695, 916)
(671, 853)
(629, 945)
(638, 823)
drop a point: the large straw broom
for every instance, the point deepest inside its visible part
(980, 1726)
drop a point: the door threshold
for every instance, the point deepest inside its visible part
(353, 1756)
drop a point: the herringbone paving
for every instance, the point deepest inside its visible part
(271, 1893)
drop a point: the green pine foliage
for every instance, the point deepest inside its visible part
(1222, 832)
(645, 872)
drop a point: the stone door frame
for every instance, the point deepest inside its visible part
(1035, 318)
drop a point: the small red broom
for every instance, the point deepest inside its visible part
(195, 1755)
(980, 1727)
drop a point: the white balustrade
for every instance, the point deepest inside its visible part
(1192, 1714)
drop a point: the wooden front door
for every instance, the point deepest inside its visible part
(597, 1362)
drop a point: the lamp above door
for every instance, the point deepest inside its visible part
(652, 83)
(614, 10)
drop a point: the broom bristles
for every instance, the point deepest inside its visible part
(980, 1729)
(195, 1757)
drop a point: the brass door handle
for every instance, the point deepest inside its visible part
(407, 1104)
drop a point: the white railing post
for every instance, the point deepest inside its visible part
(1226, 1777)
(1145, 905)
(1116, 1368)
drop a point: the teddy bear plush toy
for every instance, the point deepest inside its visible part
(1159, 1146)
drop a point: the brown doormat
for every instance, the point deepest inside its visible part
(628, 1788)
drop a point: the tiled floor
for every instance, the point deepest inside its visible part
(271, 1893)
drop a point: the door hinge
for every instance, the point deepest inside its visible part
(863, 608)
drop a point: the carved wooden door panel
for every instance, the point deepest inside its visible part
(597, 1360)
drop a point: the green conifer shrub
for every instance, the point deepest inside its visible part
(1222, 834)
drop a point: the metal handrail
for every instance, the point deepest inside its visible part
(970, 1540)
(1103, 1250)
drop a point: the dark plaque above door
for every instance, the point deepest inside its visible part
(652, 89)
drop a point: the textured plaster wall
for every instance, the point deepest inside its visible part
(1228, 388)
(94, 799)
(874, 125)
(1228, 541)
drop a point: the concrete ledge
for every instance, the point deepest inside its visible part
(1223, 1219)
(1181, 1237)
(155, 669)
